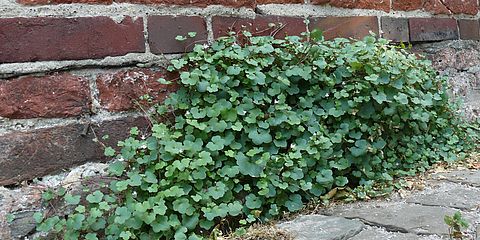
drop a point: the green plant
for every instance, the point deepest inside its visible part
(455, 225)
(261, 125)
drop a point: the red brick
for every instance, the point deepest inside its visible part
(118, 91)
(43, 2)
(35, 153)
(383, 5)
(57, 95)
(395, 29)
(40, 39)
(407, 5)
(469, 29)
(198, 3)
(261, 25)
(346, 27)
(432, 29)
(469, 7)
(436, 7)
(162, 31)
(278, 1)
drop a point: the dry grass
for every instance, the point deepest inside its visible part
(262, 232)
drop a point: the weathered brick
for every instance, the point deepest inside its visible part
(26, 155)
(44, 38)
(120, 90)
(407, 5)
(462, 6)
(432, 29)
(395, 29)
(42, 2)
(469, 29)
(261, 25)
(162, 31)
(198, 3)
(346, 27)
(436, 7)
(383, 5)
(56, 95)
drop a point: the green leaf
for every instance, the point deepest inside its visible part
(150, 177)
(116, 168)
(109, 152)
(75, 221)
(91, 236)
(163, 81)
(252, 201)
(180, 39)
(233, 70)
(122, 214)
(247, 167)
(10, 218)
(379, 144)
(48, 195)
(360, 148)
(135, 180)
(341, 181)
(316, 35)
(183, 206)
(260, 136)
(134, 131)
(402, 98)
(160, 208)
(217, 143)
(71, 199)
(380, 97)
(294, 203)
(218, 190)
(161, 224)
(125, 235)
(95, 197)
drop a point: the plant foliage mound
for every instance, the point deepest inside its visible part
(263, 125)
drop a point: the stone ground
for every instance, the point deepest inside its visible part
(407, 216)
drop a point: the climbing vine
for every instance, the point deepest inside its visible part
(260, 126)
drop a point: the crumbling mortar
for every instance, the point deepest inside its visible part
(23, 125)
(210, 36)
(327, 10)
(8, 70)
(116, 11)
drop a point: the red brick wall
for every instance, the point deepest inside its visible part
(72, 70)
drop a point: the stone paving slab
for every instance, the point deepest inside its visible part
(448, 195)
(320, 227)
(374, 233)
(470, 177)
(418, 217)
(399, 216)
